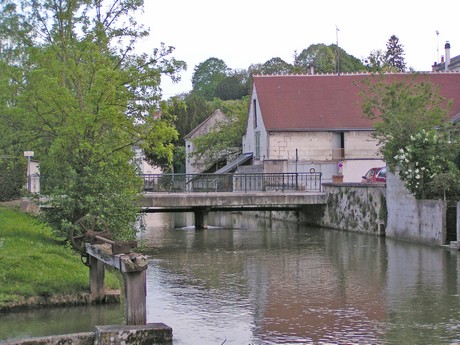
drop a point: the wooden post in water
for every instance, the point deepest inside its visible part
(135, 292)
(133, 266)
(96, 279)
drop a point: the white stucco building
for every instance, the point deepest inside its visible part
(297, 123)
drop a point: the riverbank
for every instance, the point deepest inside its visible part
(38, 270)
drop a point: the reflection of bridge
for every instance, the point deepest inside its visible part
(204, 193)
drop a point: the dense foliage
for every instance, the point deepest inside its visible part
(73, 90)
(389, 60)
(223, 142)
(13, 176)
(327, 59)
(207, 76)
(426, 158)
(416, 139)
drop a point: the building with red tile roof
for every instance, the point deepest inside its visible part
(299, 122)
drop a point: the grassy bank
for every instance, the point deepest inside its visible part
(33, 263)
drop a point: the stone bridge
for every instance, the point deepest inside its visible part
(203, 203)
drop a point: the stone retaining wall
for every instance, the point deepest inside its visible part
(350, 206)
(87, 338)
(151, 334)
(422, 221)
(353, 207)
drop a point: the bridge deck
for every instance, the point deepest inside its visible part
(172, 202)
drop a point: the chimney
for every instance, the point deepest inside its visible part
(447, 48)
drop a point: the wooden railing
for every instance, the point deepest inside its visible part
(250, 182)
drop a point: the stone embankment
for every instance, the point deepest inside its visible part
(151, 334)
(35, 302)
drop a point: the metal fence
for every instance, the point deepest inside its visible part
(250, 182)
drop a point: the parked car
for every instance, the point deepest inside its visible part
(375, 175)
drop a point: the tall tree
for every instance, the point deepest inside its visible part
(207, 76)
(394, 55)
(73, 90)
(276, 65)
(234, 86)
(376, 62)
(185, 113)
(413, 130)
(347, 63)
(223, 142)
(323, 59)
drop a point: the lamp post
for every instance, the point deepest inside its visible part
(28, 154)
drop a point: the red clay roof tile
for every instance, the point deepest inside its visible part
(331, 102)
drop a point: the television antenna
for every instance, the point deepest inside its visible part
(338, 53)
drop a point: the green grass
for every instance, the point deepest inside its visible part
(34, 263)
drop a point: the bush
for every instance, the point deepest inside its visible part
(13, 174)
(426, 165)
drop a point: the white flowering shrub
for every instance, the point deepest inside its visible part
(426, 156)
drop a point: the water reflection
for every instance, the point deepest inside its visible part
(268, 282)
(250, 280)
(62, 320)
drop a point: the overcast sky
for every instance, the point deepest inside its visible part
(243, 32)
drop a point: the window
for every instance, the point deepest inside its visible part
(254, 105)
(338, 145)
(257, 140)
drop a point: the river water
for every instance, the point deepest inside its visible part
(248, 280)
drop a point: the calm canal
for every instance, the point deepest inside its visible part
(250, 280)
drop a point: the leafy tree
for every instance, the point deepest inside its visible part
(376, 62)
(185, 112)
(324, 59)
(320, 56)
(348, 63)
(394, 55)
(188, 112)
(223, 142)
(426, 165)
(13, 177)
(73, 90)
(276, 65)
(207, 75)
(390, 60)
(234, 86)
(408, 111)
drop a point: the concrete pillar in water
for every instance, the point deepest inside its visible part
(201, 218)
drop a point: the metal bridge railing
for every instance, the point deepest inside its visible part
(250, 182)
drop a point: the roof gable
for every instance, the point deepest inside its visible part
(204, 127)
(329, 102)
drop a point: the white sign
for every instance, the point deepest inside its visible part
(28, 153)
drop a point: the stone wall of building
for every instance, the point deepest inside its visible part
(360, 144)
(309, 145)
